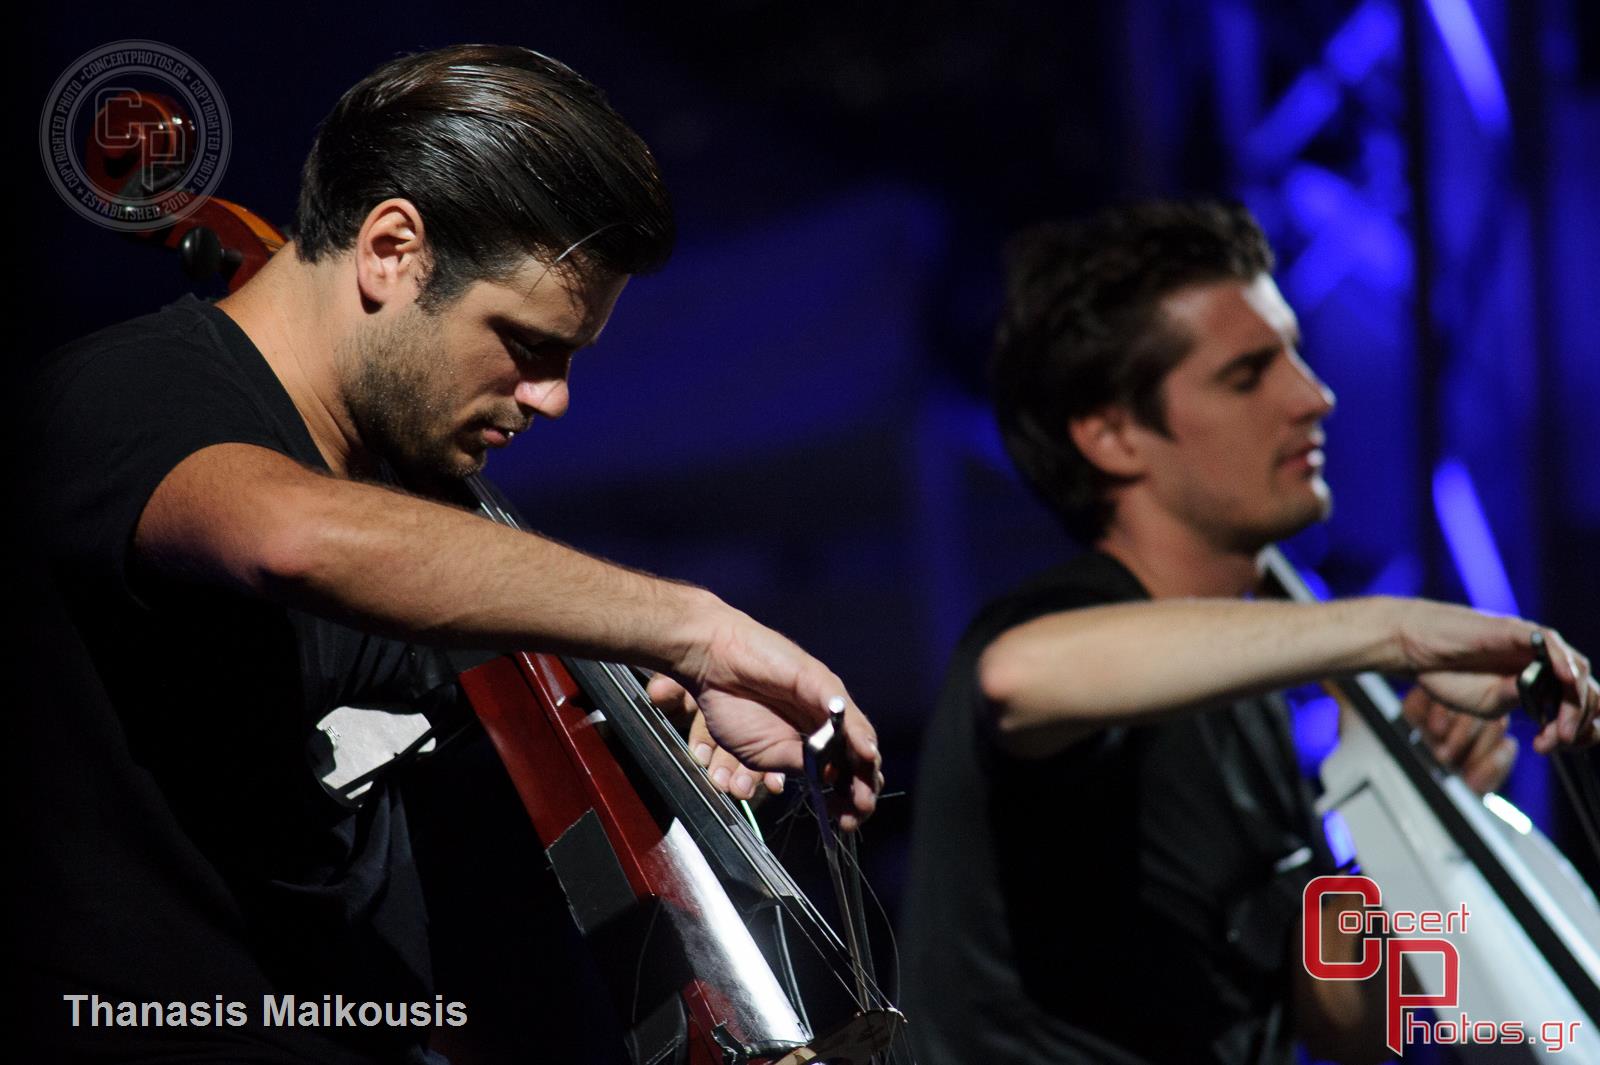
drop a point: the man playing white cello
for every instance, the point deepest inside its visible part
(1111, 832)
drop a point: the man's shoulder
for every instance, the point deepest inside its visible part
(179, 338)
(1092, 575)
(183, 322)
(121, 407)
(1090, 578)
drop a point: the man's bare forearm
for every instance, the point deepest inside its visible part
(407, 566)
(1082, 669)
(448, 577)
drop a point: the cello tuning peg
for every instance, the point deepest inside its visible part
(201, 253)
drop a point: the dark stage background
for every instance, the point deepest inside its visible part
(792, 413)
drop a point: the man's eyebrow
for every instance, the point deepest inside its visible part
(1250, 360)
(533, 336)
(1257, 357)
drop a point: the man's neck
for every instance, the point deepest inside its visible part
(1176, 562)
(288, 311)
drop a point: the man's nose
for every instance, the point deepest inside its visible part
(547, 398)
(1313, 398)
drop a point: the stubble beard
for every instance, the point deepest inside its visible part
(393, 384)
(1219, 523)
(1314, 511)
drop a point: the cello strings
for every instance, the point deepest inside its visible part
(745, 833)
(824, 942)
(756, 854)
(790, 899)
(763, 862)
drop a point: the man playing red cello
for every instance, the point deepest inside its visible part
(232, 559)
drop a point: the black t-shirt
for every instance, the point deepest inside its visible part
(1127, 901)
(178, 843)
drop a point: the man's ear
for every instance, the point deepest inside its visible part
(1106, 438)
(390, 254)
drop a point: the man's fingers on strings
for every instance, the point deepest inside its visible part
(1440, 719)
(671, 698)
(1485, 772)
(701, 744)
(1462, 731)
(1483, 742)
(730, 776)
(723, 768)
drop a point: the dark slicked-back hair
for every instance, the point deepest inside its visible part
(1083, 330)
(505, 153)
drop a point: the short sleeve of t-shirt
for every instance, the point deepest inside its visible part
(116, 411)
(1090, 580)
